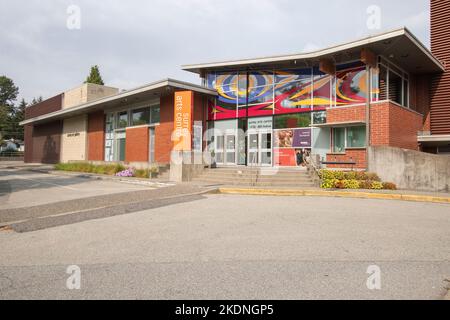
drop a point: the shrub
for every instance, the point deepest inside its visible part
(376, 185)
(329, 183)
(365, 184)
(389, 186)
(373, 177)
(351, 184)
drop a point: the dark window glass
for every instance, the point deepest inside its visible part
(155, 114)
(122, 119)
(141, 116)
(395, 87)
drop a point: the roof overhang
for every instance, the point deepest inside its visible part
(340, 124)
(434, 140)
(398, 46)
(141, 94)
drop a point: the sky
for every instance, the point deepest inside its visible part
(48, 46)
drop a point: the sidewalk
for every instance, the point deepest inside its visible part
(402, 195)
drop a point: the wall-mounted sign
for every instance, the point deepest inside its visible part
(263, 123)
(302, 138)
(183, 121)
(72, 135)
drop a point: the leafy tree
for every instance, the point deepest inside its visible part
(94, 76)
(8, 94)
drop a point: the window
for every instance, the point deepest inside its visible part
(351, 137)
(141, 117)
(356, 137)
(155, 114)
(393, 84)
(295, 120)
(338, 140)
(122, 119)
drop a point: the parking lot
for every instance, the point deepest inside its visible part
(23, 188)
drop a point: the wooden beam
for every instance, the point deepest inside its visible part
(327, 66)
(368, 57)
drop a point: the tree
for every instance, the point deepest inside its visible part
(94, 76)
(17, 117)
(8, 94)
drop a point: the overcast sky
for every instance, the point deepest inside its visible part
(138, 42)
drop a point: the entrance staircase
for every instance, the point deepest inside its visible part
(257, 177)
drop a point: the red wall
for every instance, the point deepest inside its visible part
(137, 145)
(96, 136)
(163, 132)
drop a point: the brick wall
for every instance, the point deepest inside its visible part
(137, 144)
(96, 136)
(342, 114)
(395, 126)
(163, 132)
(357, 155)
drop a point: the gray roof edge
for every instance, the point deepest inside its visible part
(151, 86)
(318, 53)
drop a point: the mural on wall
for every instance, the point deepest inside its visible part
(284, 92)
(351, 86)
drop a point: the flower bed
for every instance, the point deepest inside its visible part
(353, 180)
(118, 170)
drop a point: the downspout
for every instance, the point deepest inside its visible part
(368, 126)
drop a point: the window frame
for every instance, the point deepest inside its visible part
(346, 147)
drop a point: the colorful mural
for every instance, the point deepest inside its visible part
(285, 91)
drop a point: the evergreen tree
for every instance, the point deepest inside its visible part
(8, 94)
(94, 76)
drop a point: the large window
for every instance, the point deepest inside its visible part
(339, 140)
(122, 119)
(155, 114)
(393, 83)
(347, 138)
(141, 117)
(295, 120)
(356, 137)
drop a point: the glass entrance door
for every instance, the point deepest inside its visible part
(225, 149)
(260, 148)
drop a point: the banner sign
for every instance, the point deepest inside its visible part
(264, 123)
(183, 121)
(302, 138)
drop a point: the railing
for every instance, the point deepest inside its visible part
(11, 156)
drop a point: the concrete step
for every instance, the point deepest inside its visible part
(253, 181)
(254, 178)
(259, 184)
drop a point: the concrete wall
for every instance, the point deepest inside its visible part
(85, 93)
(74, 138)
(410, 169)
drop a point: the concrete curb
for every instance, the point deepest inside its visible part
(336, 194)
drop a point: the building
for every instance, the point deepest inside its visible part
(383, 90)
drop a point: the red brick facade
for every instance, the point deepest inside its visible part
(351, 155)
(96, 136)
(390, 125)
(137, 145)
(344, 114)
(402, 126)
(163, 132)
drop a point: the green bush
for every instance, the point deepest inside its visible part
(376, 185)
(351, 184)
(108, 169)
(329, 183)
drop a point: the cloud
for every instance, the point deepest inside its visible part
(141, 41)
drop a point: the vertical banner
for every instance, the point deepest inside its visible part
(183, 121)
